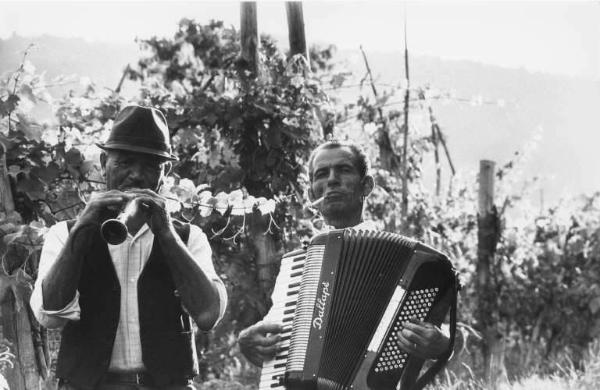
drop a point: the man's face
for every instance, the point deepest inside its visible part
(126, 170)
(337, 179)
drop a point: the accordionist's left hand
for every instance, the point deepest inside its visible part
(423, 339)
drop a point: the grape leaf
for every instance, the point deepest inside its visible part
(9, 105)
(33, 187)
(46, 174)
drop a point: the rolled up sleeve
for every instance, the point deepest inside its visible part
(55, 239)
(200, 249)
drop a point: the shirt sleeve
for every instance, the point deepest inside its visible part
(271, 315)
(54, 241)
(201, 252)
(279, 290)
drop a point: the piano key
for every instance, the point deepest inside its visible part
(284, 299)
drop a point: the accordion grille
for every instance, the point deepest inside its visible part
(304, 308)
(418, 305)
(369, 266)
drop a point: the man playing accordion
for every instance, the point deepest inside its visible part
(338, 173)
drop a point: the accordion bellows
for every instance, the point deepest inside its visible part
(356, 290)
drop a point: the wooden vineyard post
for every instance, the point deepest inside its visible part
(263, 244)
(267, 257)
(488, 234)
(249, 36)
(296, 35)
(405, 148)
(387, 157)
(123, 76)
(7, 204)
(16, 323)
(7, 207)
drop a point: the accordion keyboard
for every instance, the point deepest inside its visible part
(284, 298)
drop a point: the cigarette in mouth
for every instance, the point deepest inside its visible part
(316, 202)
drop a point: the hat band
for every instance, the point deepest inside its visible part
(139, 149)
(137, 141)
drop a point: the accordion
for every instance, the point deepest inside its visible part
(344, 299)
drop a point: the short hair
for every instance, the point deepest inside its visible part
(361, 162)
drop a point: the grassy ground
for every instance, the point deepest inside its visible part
(566, 377)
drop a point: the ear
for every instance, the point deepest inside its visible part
(368, 183)
(168, 168)
(103, 163)
(311, 194)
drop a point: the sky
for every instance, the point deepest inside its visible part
(558, 38)
(550, 37)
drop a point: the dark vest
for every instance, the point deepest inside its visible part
(168, 350)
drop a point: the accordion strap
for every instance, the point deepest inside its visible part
(441, 362)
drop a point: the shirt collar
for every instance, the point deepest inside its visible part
(143, 233)
(143, 230)
(365, 225)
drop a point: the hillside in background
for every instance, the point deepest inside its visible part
(101, 62)
(564, 108)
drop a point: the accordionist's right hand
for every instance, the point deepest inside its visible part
(259, 341)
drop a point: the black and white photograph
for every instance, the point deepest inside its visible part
(299, 195)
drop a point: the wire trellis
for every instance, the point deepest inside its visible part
(190, 210)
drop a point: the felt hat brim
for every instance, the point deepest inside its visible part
(142, 130)
(138, 149)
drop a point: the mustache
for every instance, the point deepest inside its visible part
(334, 193)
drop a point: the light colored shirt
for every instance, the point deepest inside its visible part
(129, 259)
(365, 225)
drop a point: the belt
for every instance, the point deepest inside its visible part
(137, 378)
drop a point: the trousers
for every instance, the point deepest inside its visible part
(127, 386)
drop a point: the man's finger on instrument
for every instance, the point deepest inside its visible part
(143, 191)
(109, 195)
(270, 327)
(267, 341)
(408, 331)
(110, 200)
(420, 328)
(415, 320)
(109, 192)
(402, 338)
(266, 351)
(411, 337)
(405, 344)
(114, 203)
(146, 200)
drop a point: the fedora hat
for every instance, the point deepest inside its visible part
(142, 130)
